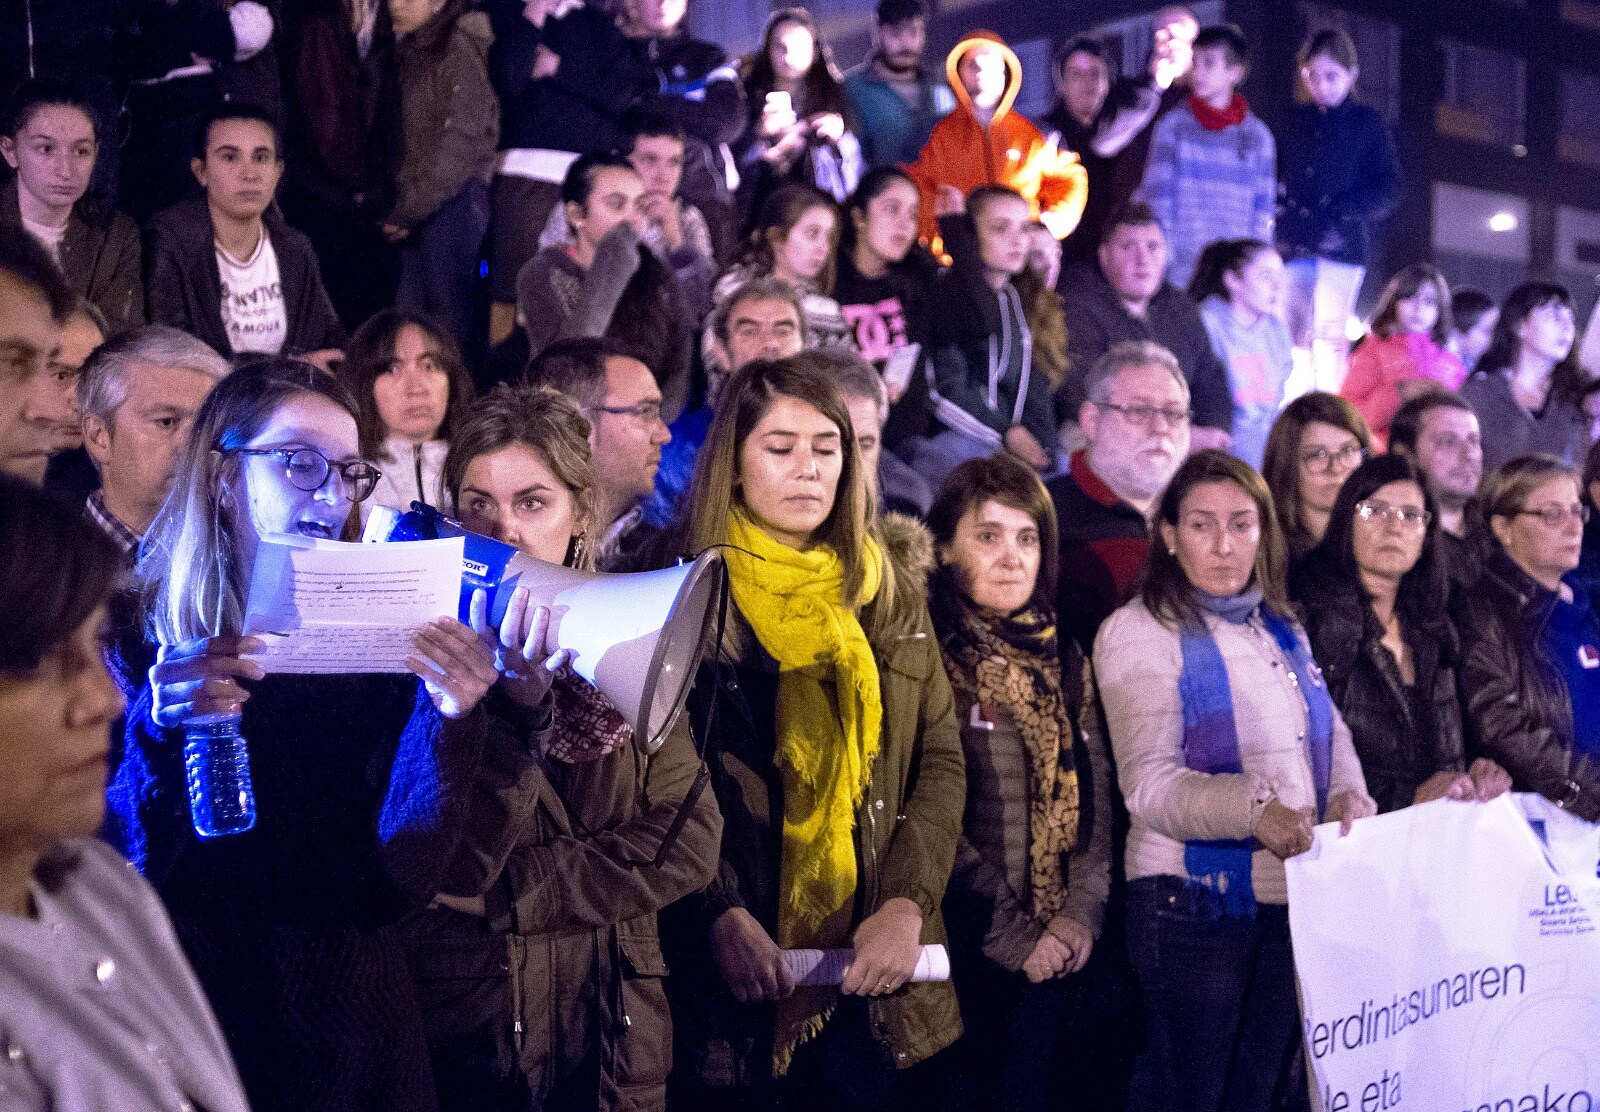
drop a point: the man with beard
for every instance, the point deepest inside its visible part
(1136, 429)
(1128, 298)
(1440, 432)
(896, 101)
(138, 395)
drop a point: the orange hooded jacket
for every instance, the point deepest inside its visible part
(1010, 152)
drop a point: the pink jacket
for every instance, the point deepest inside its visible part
(1380, 364)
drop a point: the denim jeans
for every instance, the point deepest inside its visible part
(440, 265)
(1221, 1011)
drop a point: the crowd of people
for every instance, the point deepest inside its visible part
(1058, 615)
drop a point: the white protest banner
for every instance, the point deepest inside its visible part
(1449, 961)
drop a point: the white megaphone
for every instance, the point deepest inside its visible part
(637, 637)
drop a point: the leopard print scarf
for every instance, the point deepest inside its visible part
(1011, 663)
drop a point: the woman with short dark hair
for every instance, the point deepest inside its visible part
(1033, 867)
(101, 1008)
(1229, 751)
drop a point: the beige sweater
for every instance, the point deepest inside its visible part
(1137, 659)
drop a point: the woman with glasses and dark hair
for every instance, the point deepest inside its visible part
(100, 1008)
(1531, 667)
(1315, 443)
(361, 781)
(1229, 751)
(1374, 595)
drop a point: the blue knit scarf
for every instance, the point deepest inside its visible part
(1211, 737)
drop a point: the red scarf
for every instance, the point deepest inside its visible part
(1213, 120)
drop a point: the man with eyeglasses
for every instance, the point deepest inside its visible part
(1135, 422)
(1440, 432)
(1127, 297)
(619, 396)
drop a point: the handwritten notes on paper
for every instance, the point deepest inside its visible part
(331, 607)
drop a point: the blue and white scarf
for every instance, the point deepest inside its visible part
(1211, 737)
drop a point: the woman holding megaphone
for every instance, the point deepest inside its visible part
(362, 781)
(835, 758)
(566, 860)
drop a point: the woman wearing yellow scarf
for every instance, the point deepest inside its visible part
(836, 760)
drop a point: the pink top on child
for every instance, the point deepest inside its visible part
(1380, 364)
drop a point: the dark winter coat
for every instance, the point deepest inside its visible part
(988, 905)
(449, 115)
(1097, 320)
(1402, 738)
(362, 792)
(577, 108)
(1339, 178)
(1518, 711)
(343, 109)
(573, 862)
(100, 259)
(184, 288)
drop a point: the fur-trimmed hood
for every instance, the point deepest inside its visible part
(908, 546)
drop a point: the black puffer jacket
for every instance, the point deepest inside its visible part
(1518, 710)
(1401, 740)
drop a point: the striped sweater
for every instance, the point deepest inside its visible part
(1209, 185)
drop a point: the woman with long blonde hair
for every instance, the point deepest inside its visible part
(835, 758)
(361, 781)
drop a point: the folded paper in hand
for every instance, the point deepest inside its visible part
(826, 967)
(332, 607)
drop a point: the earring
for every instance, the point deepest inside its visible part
(580, 543)
(1172, 551)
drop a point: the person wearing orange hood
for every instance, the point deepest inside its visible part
(983, 142)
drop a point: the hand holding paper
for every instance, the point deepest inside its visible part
(330, 607)
(826, 967)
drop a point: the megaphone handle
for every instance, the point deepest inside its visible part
(702, 777)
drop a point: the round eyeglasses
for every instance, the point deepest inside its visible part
(308, 469)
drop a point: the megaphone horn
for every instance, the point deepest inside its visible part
(637, 637)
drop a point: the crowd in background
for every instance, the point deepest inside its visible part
(1078, 566)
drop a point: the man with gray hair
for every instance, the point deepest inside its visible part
(762, 319)
(138, 395)
(1135, 422)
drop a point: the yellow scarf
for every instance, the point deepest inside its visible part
(830, 718)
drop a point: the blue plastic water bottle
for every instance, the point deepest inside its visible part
(217, 766)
